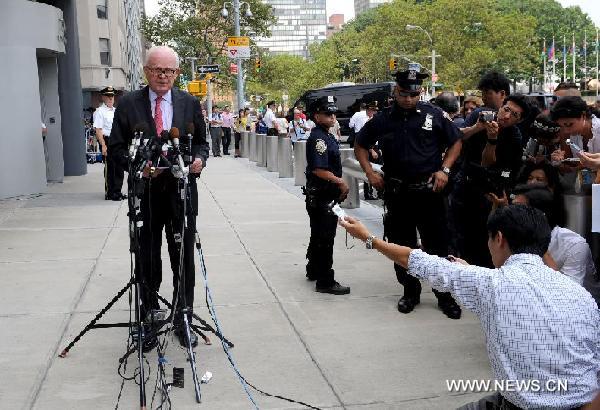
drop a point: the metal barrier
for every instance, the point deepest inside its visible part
(352, 173)
(261, 150)
(272, 153)
(300, 163)
(285, 166)
(253, 152)
(245, 145)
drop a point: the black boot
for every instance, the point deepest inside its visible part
(407, 304)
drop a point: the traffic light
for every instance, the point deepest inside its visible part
(257, 65)
(393, 64)
(197, 88)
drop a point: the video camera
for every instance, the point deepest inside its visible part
(488, 116)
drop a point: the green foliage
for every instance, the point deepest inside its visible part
(471, 37)
(196, 29)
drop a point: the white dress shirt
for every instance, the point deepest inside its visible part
(572, 254)
(538, 324)
(166, 107)
(269, 118)
(358, 120)
(103, 118)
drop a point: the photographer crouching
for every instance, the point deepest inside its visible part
(491, 158)
(539, 325)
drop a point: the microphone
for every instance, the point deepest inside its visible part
(138, 132)
(190, 136)
(174, 136)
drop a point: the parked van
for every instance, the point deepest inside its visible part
(349, 98)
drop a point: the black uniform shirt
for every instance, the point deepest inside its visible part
(412, 141)
(509, 150)
(323, 151)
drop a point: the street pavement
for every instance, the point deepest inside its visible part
(64, 255)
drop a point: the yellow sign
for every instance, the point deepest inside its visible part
(238, 41)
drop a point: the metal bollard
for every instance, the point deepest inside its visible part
(245, 145)
(252, 151)
(261, 148)
(579, 215)
(300, 163)
(284, 157)
(352, 200)
(272, 153)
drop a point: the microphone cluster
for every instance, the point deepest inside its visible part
(165, 148)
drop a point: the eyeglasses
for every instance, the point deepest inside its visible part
(514, 114)
(168, 72)
(409, 93)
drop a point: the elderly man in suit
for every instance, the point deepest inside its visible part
(160, 107)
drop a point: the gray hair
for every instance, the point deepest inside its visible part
(155, 49)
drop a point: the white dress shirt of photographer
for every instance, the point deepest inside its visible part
(572, 254)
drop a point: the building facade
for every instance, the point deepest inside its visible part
(299, 23)
(43, 65)
(335, 24)
(360, 6)
(111, 46)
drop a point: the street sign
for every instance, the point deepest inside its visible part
(437, 85)
(204, 69)
(233, 68)
(238, 47)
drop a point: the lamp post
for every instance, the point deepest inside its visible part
(236, 4)
(433, 79)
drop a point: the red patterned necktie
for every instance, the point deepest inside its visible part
(158, 116)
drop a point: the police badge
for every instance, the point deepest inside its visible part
(428, 124)
(321, 147)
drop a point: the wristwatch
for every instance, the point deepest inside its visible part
(369, 241)
(446, 170)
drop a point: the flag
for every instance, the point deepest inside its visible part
(551, 52)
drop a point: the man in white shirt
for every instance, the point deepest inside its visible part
(269, 119)
(539, 325)
(357, 121)
(113, 171)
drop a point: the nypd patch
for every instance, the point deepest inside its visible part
(321, 147)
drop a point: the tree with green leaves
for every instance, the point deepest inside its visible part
(196, 28)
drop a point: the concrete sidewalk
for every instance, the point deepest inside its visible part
(64, 254)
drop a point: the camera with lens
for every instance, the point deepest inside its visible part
(489, 180)
(487, 116)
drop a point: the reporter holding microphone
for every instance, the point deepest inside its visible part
(538, 324)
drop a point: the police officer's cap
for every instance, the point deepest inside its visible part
(411, 78)
(325, 104)
(108, 91)
(373, 105)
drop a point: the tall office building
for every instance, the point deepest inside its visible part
(360, 6)
(299, 23)
(111, 51)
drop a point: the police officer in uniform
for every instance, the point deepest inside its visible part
(103, 121)
(413, 136)
(324, 186)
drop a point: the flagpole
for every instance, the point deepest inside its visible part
(597, 83)
(544, 86)
(553, 64)
(564, 58)
(585, 57)
(573, 80)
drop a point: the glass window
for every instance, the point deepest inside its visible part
(104, 51)
(101, 9)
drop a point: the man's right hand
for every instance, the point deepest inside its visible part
(375, 179)
(147, 170)
(344, 189)
(104, 150)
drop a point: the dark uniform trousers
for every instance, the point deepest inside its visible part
(407, 211)
(323, 225)
(113, 174)
(162, 208)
